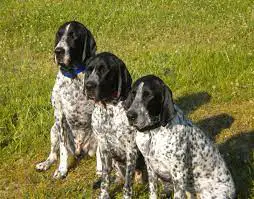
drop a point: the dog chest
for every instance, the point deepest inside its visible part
(68, 99)
(160, 151)
(111, 127)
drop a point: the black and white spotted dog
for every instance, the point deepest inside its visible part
(71, 132)
(174, 149)
(108, 82)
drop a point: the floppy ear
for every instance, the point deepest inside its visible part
(168, 111)
(89, 48)
(124, 81)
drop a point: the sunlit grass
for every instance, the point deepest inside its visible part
(195, 46)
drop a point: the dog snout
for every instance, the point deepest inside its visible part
(59, 51)
(90, 85)
(132, 115)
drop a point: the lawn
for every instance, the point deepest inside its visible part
(203, 49)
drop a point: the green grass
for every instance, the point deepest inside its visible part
(196, 47)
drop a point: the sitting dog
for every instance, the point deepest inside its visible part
(174, 149)
(108, 82)
(71, 132)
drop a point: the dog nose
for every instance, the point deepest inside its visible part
(59, 51)
(132, 116)
(90, 85)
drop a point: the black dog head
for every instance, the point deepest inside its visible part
(74, 44)
(107, 78)
(149, 103)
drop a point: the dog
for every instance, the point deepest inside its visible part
(174, 149)
(108, 82)
(71, 132)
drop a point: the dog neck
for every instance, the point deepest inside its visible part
(72, 72)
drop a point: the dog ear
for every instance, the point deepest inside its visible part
(168, 111)
(89, 48)
(124, 81)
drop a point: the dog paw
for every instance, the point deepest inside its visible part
(126, 196)
(104, 195)
(127, 193)
(165, 196)
(153, 196)
(59, 174)
(42, 166)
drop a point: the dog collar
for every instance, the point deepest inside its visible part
(72, 72)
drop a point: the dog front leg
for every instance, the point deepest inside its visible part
(61, 172)
(152, 181)
(54, 138)
(179, 193)
(131, 158)
(97, 182)
(106, 163)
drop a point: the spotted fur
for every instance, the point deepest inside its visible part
(175, 151)
(108, 83)
(116, 142)
(71, 132)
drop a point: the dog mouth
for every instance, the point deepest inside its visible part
(138, 125)
(63, 60)
(95, 94)
(63, 66)
(92, 95)
(143, 125)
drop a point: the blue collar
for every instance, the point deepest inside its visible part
(72, 72)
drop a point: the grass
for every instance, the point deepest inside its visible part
(202, 49)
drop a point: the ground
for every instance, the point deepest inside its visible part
(204, 51)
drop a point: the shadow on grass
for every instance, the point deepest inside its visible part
(191, 102)
(212, 126)
(238, 152)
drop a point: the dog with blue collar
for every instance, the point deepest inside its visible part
(71, 132)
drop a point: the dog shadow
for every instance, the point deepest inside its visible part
(191, 102)
(213, 126)
(238, 152)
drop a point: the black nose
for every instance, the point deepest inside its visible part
(59, 51)
(132, 116)
(90, 85)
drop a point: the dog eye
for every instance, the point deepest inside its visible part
(60, 33)
(71, 34)
(146, 94)
(101, 69)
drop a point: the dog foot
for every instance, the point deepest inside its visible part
(104, 195)
(166, 196)
(42, 166)
(59, 174)
(126, 196)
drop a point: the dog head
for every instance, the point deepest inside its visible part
(107, 78)
(74, 44)
(149, 103)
